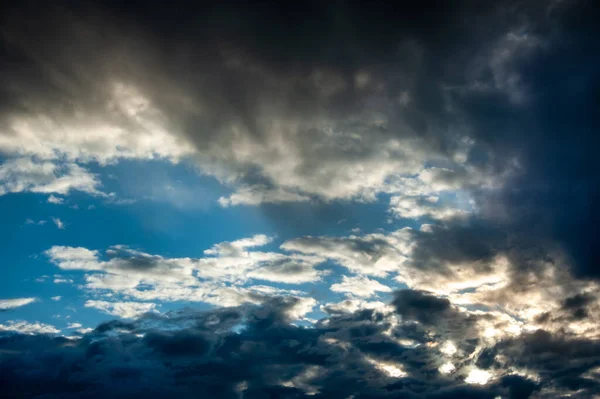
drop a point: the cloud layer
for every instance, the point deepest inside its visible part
(402, 350)
(473, 127)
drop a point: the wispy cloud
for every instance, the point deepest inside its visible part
(6, 304)
(59, 223)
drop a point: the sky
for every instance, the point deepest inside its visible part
(324, 199)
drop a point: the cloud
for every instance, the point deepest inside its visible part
(222, 277)
(256, 195)
(60, 280)
(418, 207)
(6, 304)
(55, 200)
(474, 265)
(254, 350)
(290, 271)
(282, 129)
(325, 116)
(39, 222)
(372, 254)
(59, 223)
(24, 327)
(475, 122)
(27, 175)
(126, 310)
(360, 286)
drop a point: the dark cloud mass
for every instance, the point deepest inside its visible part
(192, 354)
(478, 121)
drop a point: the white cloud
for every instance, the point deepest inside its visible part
(25, 327)
(448, 348)
(360, 286)
(234, 247)
(391, 369)
(371, 254)
(353, 305)
(59, 223)
(6, 304)
(39, 222)
(382, 255)
(478, 377)
(126, 310)
(73, 257)
(60, 280)
(447, 368)
(27, 175)
(55, 200)
(126, 125)
(290, 270)
(234, 263)
(56, 298)
(417, 207)
(256, 195)
(301, 308)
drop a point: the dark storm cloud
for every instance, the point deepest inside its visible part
(458, 241)
(256, 90)
(190, 353)
(421, 306)
(556, 194)
(437, 315)
(564, 362)
(238, 81)
(577, 305)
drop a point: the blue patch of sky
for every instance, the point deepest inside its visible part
(176, 214)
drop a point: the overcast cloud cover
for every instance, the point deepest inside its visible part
(328, 199)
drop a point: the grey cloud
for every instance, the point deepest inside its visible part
(437, 314)
(317, 115)
(187, 352)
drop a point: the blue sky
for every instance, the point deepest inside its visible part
(168, 210)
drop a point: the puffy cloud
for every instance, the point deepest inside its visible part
(24, 327)
(255, 195)
(255, 350)
(281, 130)
(55, 200)
(230, 248)
(6, 304)
(60, 280)
(351, 305)
(474, 265)
(59, 223)
(27, 175)
(126, 310)
(73, 257)
(417, 207)
(222, 277)
(288, 270)
(360, 286)
(372, 254)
